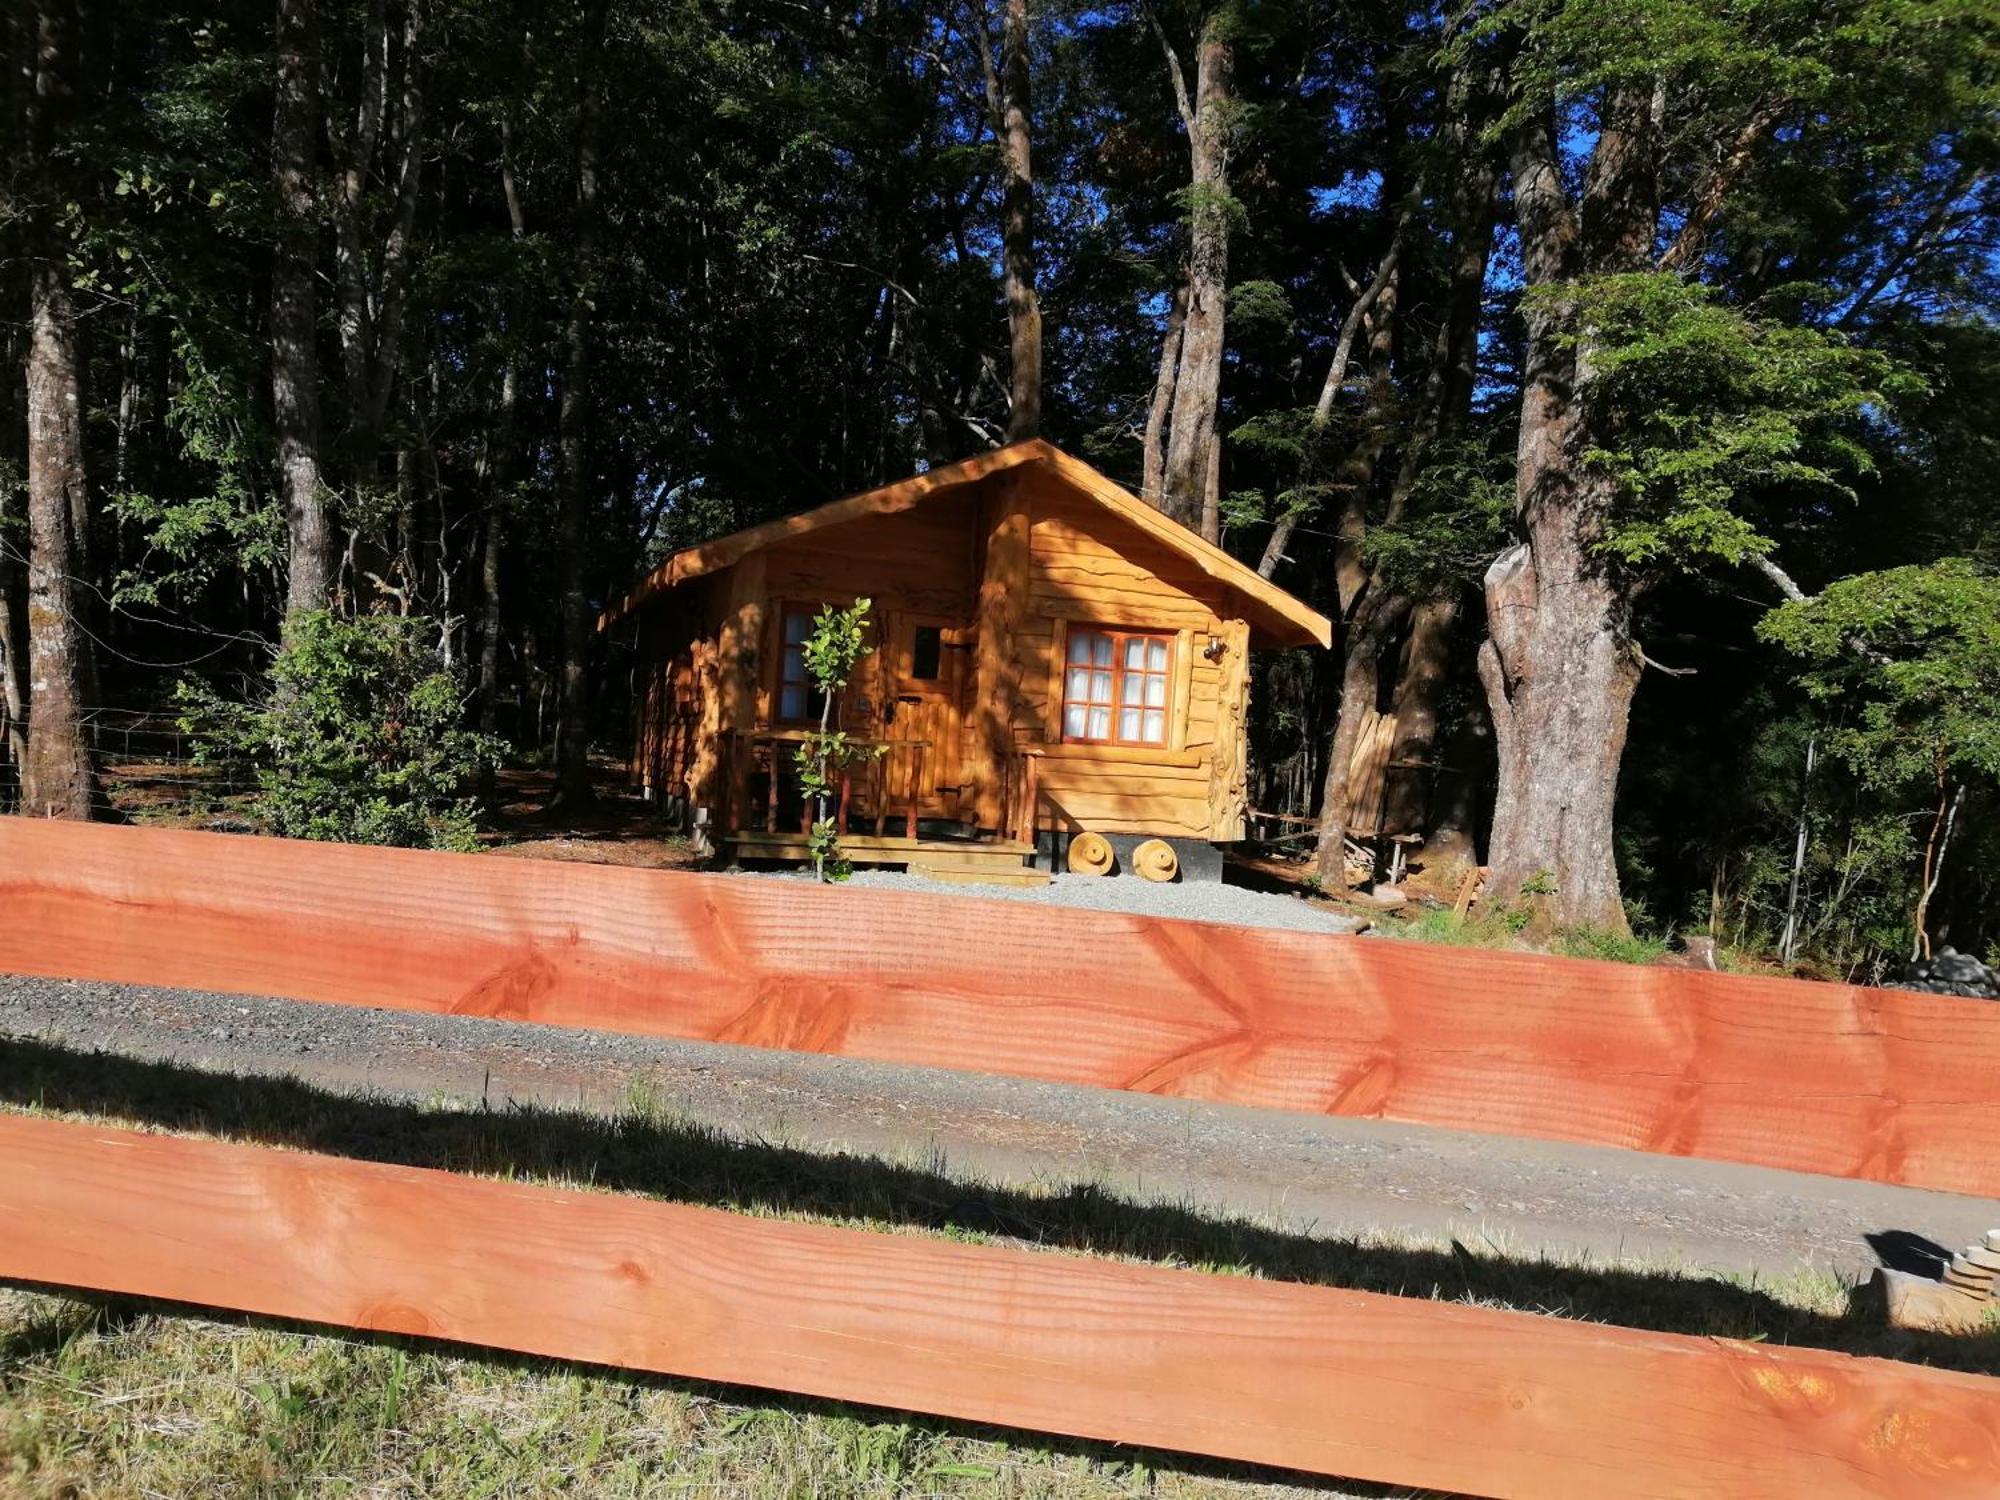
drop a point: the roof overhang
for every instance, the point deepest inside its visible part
(1276, 617)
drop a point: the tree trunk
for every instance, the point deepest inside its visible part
(56, 773)
(1559, 665)
(1024, 310)
(1336, 377)
(13, 623)
(1155, 460)
(294, 313)
(1198, 383)
(573, 421)
(500, 465)
(1421, 674)
(1373, 625)
(373, 284)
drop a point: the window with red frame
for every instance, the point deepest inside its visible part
(1115, 686)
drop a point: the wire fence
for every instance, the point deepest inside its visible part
(145, 766)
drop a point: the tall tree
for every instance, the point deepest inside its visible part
(573, 499)
(1010, 111)
(56, 779)
(295, 392)
(1609, 496)
(1189, 469)
(372, 247)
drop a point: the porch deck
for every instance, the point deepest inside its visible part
(965, 860)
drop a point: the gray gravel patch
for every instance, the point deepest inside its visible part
(1193, 900)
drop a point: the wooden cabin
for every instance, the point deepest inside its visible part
(1051, 656)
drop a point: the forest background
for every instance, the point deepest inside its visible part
(1622, 375)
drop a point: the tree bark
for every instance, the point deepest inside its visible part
(1155, 459)
(1198, 382)
(1421, 674)
(1559, 665)
(500, 463)
(1370, 629)
(294, 313)
(1010, 105)
(56, 776)
(573, 422)
(1336, 377)
(373, 285)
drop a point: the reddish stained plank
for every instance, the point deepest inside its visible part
(1395, 1389)
(1884, 1084)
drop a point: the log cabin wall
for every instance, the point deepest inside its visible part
(1086, 567)
(919, 561)
(1013, 563)
(676, 699)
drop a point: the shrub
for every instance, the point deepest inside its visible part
(357, 738)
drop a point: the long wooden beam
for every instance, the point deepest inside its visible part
(1884, 1084)
(1358, 1384)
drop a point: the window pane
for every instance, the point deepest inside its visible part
(1135, 655)
(1156, 658)
(1156, 691)
(926, 651)
(797, 627)
(1100, 650)
(792, 703)
(1128, 724)
(1075, 720)
(1079, 645)
(1133, 690)
(1156, 728)
(1079, 684)
(1100, 724)
(1100, 688)
(794, 669)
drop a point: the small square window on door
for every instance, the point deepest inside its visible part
(926, 653)
(1115, 687)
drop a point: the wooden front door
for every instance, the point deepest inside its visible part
(929, 663)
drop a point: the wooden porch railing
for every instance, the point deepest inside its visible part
(893, 775)
(1020, 794)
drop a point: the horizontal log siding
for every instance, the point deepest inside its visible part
(1085, 568)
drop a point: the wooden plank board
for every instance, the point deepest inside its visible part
(1892, 1085)
(1357, 1384)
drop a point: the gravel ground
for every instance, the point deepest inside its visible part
(1198, 901)
(1304, 1173)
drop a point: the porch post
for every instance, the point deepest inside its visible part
(1003, 596)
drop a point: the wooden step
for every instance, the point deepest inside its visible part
(866, 849)
(956, 874)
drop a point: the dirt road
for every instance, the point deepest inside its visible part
(1325, 1176)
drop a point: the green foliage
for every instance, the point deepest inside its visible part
(838, 640)
(231, 522)
(1456, 519)
(1912, 657)
(357, 738)
(1696, 404)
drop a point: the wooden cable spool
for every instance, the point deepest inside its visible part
(1155, 860)
(1090, 854)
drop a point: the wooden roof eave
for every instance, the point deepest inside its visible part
(1279, 617)
(1276, 617)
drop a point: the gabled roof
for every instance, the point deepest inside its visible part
(1278, 615)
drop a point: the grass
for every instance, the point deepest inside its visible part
(115, 1400)
(112, 1398)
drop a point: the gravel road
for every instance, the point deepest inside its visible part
(1300, 1172)
(1194, 900)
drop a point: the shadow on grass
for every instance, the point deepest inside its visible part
(647, 1154)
